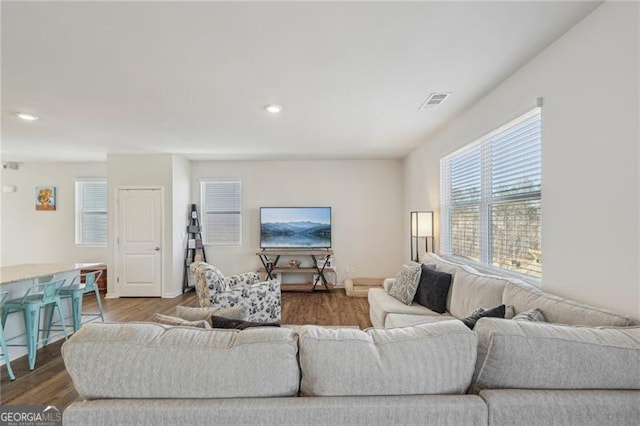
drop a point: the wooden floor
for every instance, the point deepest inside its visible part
(49, 383)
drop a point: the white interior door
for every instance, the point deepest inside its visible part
(139, 243)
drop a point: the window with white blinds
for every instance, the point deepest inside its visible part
(221, 202)
(91, 212)
(491, 198)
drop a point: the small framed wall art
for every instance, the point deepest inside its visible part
(46, 198)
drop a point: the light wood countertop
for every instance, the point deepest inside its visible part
(27, 271)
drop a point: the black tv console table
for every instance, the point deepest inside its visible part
(270, 259)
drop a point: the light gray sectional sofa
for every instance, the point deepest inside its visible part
(150, 374)
(502, 373)
(471, 290)
(437, 372)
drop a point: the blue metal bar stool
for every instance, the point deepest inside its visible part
(3, 343)
(38, 296)
(81, 285)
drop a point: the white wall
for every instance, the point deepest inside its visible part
(365, 196)
(638, 130)
(181, 199)
(422, 190)
(589, 81)
(30, 236)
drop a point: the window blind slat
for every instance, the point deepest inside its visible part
(491, 198)
(464, 232)
(222, 212)
(94, 228)
(503, 156)
(520, 167)
(515, 242)
(91, 212)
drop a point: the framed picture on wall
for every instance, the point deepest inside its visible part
(45, 198)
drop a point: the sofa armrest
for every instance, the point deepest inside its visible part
(240, 280)
(267, 295)
(269, 285)
(387, 283)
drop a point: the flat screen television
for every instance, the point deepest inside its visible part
(295, 227)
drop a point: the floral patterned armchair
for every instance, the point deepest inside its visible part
(262, 299)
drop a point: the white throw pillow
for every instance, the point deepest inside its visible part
(196, 314)
(169, 320)
(406, 283)
(530, 315)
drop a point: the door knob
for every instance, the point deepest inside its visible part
(157, 248)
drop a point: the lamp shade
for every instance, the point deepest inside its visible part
(422, 224)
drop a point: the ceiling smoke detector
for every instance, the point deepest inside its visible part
(433, 100)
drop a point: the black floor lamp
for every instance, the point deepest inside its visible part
(421, 227)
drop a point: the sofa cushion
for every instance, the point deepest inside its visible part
(533, 355)
(433, 289)
(146, 360)
(452, 410)
(426, 359)
(381, 304)
(536, 407)
(440, 263)
(408, 320)
(406, 283)
(559, 310)
(470, 289)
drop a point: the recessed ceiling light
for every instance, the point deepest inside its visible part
(273, 109)
(26, 117)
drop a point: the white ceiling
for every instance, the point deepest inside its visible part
(192, 78)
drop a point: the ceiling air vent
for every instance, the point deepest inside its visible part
(433, 100)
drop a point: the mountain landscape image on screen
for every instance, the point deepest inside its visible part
(295, 234)
(295, 227)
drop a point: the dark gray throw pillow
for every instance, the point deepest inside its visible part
(433, 289)
(471, 320)
(221, 322)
